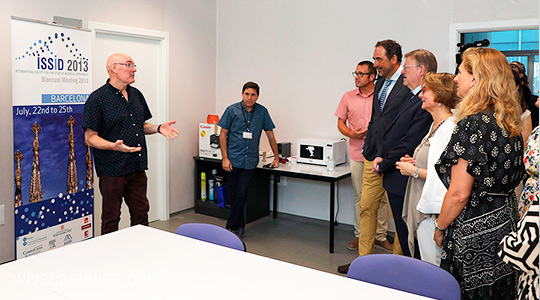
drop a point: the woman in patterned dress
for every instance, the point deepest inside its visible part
(520, 249)
(530, 159)
(481, 166)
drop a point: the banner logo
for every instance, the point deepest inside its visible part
(47, 54)
(68, 239)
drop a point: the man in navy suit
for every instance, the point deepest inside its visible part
(403, 133)
(388, 97)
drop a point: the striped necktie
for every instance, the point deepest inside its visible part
(382, 98)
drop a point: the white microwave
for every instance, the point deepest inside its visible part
(319, 151)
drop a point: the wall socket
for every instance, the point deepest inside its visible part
(2, 215)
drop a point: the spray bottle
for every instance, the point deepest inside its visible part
(203, 186)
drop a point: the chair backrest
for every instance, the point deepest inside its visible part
(406, 274)
(212, 234)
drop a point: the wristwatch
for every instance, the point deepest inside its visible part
(415, 174)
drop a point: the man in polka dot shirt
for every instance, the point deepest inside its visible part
(115, 126)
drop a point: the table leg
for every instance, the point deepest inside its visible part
(274, 212)
(332, 200)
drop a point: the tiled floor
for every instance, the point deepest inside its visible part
(298, 240)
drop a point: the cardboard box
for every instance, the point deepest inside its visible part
(209, 141)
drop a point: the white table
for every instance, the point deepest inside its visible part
(146, 263)
(311, 172)
(16, 286)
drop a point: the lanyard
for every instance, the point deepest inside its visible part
(251, 118)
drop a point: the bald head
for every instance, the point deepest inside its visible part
(121, 69)
(117, 58)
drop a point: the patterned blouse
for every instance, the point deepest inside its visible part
(531, 159)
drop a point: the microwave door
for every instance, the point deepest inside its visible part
(312, 152)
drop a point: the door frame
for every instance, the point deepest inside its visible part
(457, 29)
(163, 95)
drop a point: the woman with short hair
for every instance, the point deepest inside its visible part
(425, 191)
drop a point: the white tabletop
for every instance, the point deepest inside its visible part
(16, 286)
(146, 263)
(311, 169)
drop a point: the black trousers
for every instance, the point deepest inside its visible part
(396, 205)
(237, 190)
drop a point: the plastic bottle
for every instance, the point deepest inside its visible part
(203, 186)
(211, 185)
(331, 165)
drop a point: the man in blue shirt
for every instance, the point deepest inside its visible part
(241, 126)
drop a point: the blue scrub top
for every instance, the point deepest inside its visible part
(244, 153)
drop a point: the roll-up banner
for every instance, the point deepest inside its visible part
(53, 177)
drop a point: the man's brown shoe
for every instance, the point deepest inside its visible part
(386, 245)
(344, 269)
(353, 245)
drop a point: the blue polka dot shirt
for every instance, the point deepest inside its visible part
(109, 114)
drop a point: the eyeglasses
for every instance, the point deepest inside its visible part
(410, 66)
(129, 65)
(360, 74)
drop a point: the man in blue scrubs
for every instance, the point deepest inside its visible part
(241, 126)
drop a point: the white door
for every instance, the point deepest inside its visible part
(147, 50)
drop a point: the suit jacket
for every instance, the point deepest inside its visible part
(380, 120)
(402, 136)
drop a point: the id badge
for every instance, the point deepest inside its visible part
(247, 135)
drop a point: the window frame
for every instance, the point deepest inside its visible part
(457, 29)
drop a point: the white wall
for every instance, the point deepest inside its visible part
(302, 54)
(192, 28)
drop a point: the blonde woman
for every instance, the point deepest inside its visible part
(481, 166)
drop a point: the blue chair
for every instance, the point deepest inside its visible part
(212, 234)
(405, 274)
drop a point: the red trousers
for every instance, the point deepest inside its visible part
(131, 188)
